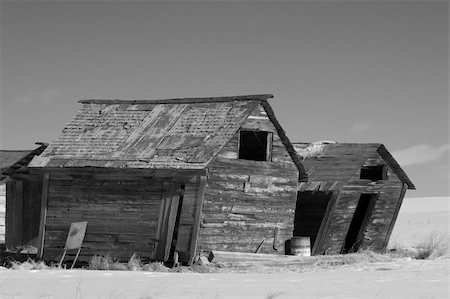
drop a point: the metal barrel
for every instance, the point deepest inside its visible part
(301, 246)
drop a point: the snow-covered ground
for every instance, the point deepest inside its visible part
(411, 279)
(405, 278)
(421, 218)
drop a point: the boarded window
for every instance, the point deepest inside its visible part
(255, 145)
(374, 173)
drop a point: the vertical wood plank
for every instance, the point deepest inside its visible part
(367, 216)
(325, 225)
(10, 229)
(198, 215)
(173, 201)
(269, 146)
(394, 217)
(160, 228)
(14, 214)
(43, 214)
(18, 198)
(162, 222)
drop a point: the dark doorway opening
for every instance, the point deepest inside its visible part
(355, 234)
(309, 214)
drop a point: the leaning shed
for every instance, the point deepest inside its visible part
(352, 197)
(164, 176)
(20, 195)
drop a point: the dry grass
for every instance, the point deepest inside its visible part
(136, 264)
(29, 265)
(436, 246)
(101, 262)
(155, 267)
(366, 256)
(107, 263)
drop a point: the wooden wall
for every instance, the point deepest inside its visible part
(189, 222)
(245, 202)
(2, 212)
(390, 194)
(126, 212)
(23, 201)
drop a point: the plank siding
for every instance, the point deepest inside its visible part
(123, 213)
(14, 203)
(246, 201)
(378, 226)
(2, 212)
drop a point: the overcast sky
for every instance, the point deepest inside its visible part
(348, 71)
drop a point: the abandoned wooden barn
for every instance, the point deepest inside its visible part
(155, 177)
(20, 194)
(352, 197)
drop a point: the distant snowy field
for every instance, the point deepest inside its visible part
(419, 219)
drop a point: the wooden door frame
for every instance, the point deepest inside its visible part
(201, 181)
(43, 220)
(317, 247)
(170, 199)
(367, 215)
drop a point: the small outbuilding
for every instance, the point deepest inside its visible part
(20, 194)
(352, 198)
(178, 175)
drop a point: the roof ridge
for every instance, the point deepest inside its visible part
(16, 151)
(336, 143)
(258, 97)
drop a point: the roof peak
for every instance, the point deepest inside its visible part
(258, 97)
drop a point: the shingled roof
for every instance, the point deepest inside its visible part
(171, 133)
(318, 158)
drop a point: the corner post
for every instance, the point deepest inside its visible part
(323, 232)
(43, 219)
(198, 215)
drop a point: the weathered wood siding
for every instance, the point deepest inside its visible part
(2, 212)
(14, 206)
(389, 193)
(23, 201)
(126, 213)
(185, 236)
(245, 202)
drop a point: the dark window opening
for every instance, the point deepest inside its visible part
(253, 145)
(374, 173)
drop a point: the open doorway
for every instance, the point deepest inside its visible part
(310, 211)
(355, 234)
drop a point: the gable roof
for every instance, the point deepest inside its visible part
(318, 158)
(181, 133)
(12, 161)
